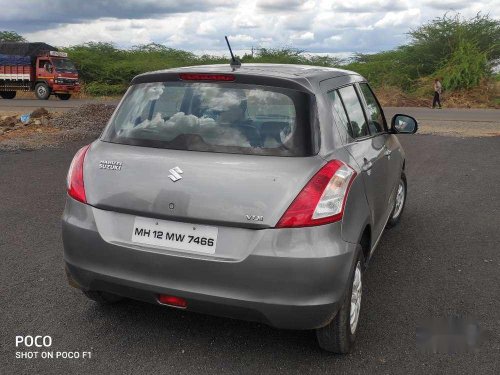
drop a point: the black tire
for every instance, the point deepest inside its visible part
(8, 94)
(64, 96)
(102, 298)
(396, 215)
(338, 337)
(42, 91)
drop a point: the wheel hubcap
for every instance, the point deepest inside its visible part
(41, 91)
(400, 199)
(356, 298)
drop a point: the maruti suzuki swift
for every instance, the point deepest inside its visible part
(257, 193)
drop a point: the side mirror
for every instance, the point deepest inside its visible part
(403, 124)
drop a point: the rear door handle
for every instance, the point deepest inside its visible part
(367, 165)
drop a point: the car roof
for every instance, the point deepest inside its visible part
(276, 70)
(307, 76)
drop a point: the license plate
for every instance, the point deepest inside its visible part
(175, 235)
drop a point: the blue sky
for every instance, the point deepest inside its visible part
(315, 26)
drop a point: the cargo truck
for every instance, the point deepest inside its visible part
(36, 67)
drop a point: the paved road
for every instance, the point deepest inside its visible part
(442, 260)
(446, 114)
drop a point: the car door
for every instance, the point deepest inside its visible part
(368, 151)
(391, 149)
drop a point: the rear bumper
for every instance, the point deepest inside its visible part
(300, 290)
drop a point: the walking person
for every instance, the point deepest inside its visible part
(438, 88)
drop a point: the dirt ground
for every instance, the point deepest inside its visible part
(53, 129)
(460, 128)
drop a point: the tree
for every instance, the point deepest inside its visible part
(11, 36)
(462, 51)
(434, 43)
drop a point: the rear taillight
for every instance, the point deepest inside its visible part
(76, 188)
(206, 77)
(322, 200)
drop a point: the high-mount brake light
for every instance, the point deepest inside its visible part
(206, 77)
(76, 188)
(323, 198)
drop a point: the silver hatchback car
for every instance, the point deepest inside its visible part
(256, 193)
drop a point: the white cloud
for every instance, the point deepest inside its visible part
(408, 18)
(370, 6)
(206, 28)
(316, 26)
(241, 38)
(303, 36)
(280, 5)
(448, 4)
(334, 38)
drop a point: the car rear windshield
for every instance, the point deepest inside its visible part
(214, 117)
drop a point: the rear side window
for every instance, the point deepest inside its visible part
(338, 111)
(214, 117)
(373, 110)
(355, 112)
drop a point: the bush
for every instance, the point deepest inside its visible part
(107, 70)
(384, 68)
(466, 67)
(104, 89)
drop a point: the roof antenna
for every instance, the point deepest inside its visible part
(235, 63)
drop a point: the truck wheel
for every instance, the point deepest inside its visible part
(8, 94)
(339, 335)
(64, 96)
(42, 91)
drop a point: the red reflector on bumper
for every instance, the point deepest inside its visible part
(172, 301)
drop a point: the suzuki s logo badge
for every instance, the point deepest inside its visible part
(175, 174)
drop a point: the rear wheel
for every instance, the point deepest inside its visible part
(102, 298)
(8, 94)
(399, 202)
(42, 91)
(64, 96)
(339, 335)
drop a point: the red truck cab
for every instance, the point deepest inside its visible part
(36, 67)
(56, 75)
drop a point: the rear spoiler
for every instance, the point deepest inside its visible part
(299, 84)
